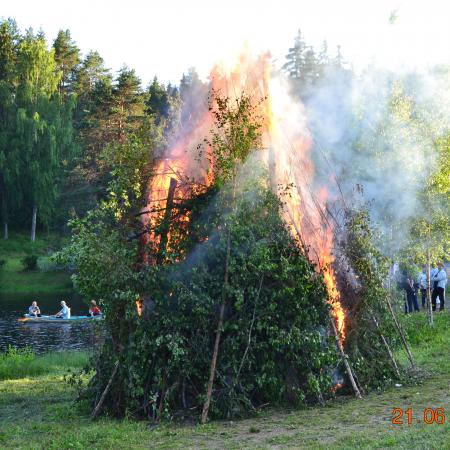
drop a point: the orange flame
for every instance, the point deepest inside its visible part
(287, 142)
(139, 306)
(179, 163)
(305, 205)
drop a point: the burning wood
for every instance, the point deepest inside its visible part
(288, 140)
(164, 235)
(345, 361)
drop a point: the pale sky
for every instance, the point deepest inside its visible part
(167, 37)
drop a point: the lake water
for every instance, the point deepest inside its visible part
(44, 337)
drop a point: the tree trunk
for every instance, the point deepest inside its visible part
(430, 309)
(33, 224)
(5, 216)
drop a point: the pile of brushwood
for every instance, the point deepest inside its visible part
(274, 346)
(232, 315)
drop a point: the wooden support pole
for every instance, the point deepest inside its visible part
(430, 309)
(272, 170)
(401, 333)
(391, 356)
(105, 392)
(212, 371)
(345, 360)
(166, 221)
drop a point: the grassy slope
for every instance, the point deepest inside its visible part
(13, 279)
(39, 413)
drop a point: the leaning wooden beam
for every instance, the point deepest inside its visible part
(105, 392)
(212, 371)
(401, 333)
(345, 360)
(394, 362)
(166, 220)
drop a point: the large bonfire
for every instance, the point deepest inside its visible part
(253, 283)
(291, 170)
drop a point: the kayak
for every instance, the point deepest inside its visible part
(32, 319)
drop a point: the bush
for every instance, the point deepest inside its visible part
(2, 263)
(30, 262)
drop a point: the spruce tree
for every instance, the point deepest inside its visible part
(158, 102)
(295, 57)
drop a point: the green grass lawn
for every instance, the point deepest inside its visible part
(38, 412)
(16, 364)
(13, 277)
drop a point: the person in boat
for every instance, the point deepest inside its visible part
(94, 310)
(34, 310)
(65, 311)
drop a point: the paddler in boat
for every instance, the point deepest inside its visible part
(65, 311)
(94, 310)
(34, 310)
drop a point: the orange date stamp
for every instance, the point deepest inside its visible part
(427, 416)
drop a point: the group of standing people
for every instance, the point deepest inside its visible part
(438, 281)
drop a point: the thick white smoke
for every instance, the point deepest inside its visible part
(376, 133)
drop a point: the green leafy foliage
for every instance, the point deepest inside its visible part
(430, 232)
(36, 134)
(30, 262)
(237, 132)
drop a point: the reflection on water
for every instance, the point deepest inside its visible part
(44, 337)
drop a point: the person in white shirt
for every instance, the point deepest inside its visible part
(65, 311)
(439, 281)
(34, 310)
(422, 280)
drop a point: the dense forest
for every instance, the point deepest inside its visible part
(234, 267)
(60, 112)
(64, 116)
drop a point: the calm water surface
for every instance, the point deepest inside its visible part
(44, 337)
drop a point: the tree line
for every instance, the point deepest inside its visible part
(59, 112)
